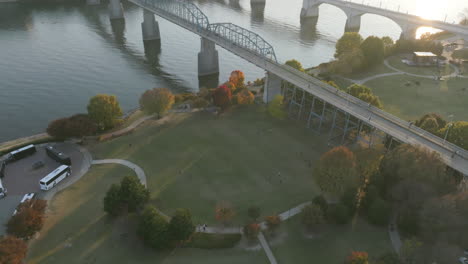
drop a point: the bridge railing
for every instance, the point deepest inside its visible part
(181, 9)
(456, 150)
(244, 38)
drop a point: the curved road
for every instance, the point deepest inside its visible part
(138, 171)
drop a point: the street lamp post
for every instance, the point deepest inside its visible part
(446, 132)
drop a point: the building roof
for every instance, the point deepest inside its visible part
(424, 54)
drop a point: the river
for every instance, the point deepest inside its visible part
(54, 57)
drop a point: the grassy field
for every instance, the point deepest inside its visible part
(78, 231)
(331, 245)
(243, 158)
(374, 70)
(395, 61)
(447, 97)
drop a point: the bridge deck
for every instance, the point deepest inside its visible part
(452, 155)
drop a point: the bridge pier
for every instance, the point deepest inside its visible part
(310, 8)
(272, 87)
(150, 27)
(115, 10)
(353, 22)
(408, 32)
(256, 2)
(208, 62)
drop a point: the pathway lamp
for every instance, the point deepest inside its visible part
(447, 132)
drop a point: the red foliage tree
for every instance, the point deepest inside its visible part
(12, 250)
(57, 128)
(224, 212)
(251, 230)
(222, 96)
(273, 222)
(28, 219)
(80, 125)
(358, 257)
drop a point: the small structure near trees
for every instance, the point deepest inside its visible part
(424, 59)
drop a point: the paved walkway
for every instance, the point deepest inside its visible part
(394, 235)
(129, 128)
(266, 248)
(138, 171)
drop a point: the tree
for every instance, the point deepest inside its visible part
(113, 201)
(104, 110)
(245, 97)
(348, 62)
(273, 222)
(365, 94)
(153, 228)
(80, 125)
(336, 171)
(431, 122)
(441, 221)
(373, 49)
(358, 257)
(415, 164)
(12, 250)
(372, 99)
(181, 226)
(410, 250)
(222, 97)
(295, 64)
(157, 101)
(457, 133)
(332, 83)
(251, 231)
(57, 128)
(224, 212)
(349, 42)
(379, 212)
(312, 216)
(321, 202)
(237, 78)
(388, 258)
(133, 194)
(388, 45)
(276, 107)
(254, 212)
(28, 220)
(339, 213)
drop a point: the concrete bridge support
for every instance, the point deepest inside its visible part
(256, 2)
(115, 9)
(150, 27)
(208, 62)
(408, 32)
(310, 8)
(93, 2)
(353, 23)
(272, 87)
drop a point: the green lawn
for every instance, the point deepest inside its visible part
(78, 231)
(395, 61)
(449, 97)
(374, 70)
(198, 160)
(331, 245)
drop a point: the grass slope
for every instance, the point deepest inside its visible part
(332, 244)
(198, 160)
(78, 232)
(447, 97)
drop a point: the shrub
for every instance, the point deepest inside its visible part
(181, 226)
(12, 250)
(224, 212)
(312, 216)
(254, 212)
(57, 128)
(259, 82)
(358, 257)
(200, 103)
(153, 229)
(321, 202)
(339, 214)
(129, 194)
(78, 125)
(349, 199)
(245, 97)
(184, 97)
(251, 231)
(276, 107)
(379, 212)
(273, 222)
(112, 201)
(28, 220)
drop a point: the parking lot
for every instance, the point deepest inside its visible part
(21, 178)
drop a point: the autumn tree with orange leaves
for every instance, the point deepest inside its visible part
(237, 78)
(28, 219)
(224, 212)
(245, 97)
(358, 257)
(12, 250)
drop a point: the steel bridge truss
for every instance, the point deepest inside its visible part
(318, 116)
(193, 17)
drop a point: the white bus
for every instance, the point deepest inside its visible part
(3, 191)
(54, 177)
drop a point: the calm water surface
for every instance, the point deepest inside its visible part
(53, 58)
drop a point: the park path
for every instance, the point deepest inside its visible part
(266, 248)
(394, 235)
(138, 171)
(129, 128)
